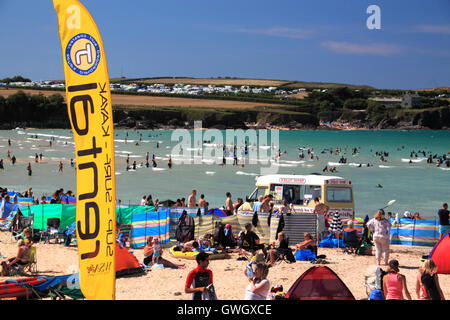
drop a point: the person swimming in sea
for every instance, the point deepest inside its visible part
(379, 186)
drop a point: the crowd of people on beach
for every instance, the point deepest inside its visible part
(259, 257)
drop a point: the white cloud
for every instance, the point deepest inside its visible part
(438, 29)
(281, 32)
(380, 49)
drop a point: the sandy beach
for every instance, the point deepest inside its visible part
(229, 280)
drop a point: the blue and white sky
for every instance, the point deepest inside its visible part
(322, 40)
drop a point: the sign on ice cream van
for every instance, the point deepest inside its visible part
(299, 191)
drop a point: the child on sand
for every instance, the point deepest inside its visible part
(156, 250)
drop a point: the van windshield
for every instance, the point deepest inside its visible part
(259, 191)
(339, 194)
(296, 194)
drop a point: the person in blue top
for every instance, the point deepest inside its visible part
(122, 239)
(257, 204)
(444, 225)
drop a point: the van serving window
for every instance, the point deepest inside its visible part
(292, 193)
(339, 194)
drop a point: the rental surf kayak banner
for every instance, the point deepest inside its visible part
(88, 99)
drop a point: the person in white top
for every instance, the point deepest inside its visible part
(259, 286)
(144, 199)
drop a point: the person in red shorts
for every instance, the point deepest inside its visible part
(200, 278)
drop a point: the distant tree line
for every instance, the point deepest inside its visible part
(15, 79)
(23, 107)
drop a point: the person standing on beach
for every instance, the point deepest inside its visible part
(380, 228)
(265, 204)
(169, 162)
(192, 201)
(60, 166)
(444, 225)
(201, 201)
(229, 205)
(36, 157)
(13, 159)
(321, 210)
(200, 278)
(1, 164)
(29, 169)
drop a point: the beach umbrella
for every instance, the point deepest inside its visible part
(336, 224)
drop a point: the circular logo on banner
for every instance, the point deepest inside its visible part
(83, 54)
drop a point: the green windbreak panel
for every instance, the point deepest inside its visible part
(67, 214)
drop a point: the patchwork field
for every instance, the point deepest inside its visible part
(157, 101)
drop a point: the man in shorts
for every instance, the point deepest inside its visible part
(444, 225)
(321, 210)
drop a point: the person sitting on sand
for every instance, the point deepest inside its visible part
(282, 248)
(27, 237)
(199, 278)
(249, 242)
(394, 283)
(259, 286)
(190, 246)
(308, 243)
(148, 257)
(427, 284)
(351, 237)
(230, 240)
(22, 258)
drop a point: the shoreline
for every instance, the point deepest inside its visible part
(247, 127)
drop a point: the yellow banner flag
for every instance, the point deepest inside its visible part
(88, 99)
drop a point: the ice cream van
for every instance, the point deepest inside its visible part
(300, 190)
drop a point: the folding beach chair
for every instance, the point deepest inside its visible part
(31, 266)
(351, 244)
(285, 255)
(22, 224)
(52, 231)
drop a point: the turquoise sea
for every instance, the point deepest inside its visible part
(416, 186)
